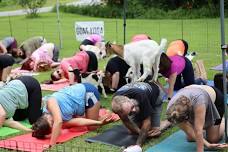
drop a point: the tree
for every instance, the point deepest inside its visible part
(32, 6)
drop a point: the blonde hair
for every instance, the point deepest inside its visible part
(180, 110)
(117, 102)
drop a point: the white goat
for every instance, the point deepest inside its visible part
(146, 52)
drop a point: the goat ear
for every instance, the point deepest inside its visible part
(108, 44)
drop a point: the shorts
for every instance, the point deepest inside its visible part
(155, 117)
(92, 95)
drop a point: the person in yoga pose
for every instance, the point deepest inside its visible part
(196, 108)
(178, 70)
(62, 107)
(42, 59)
(6, 63)
(139, 107)
(84, 61)
(20, 99)
(93, 39)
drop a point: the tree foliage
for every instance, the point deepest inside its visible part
(32, 6)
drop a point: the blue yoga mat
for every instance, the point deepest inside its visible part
(219, 67)
(175, 143)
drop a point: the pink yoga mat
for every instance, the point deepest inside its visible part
(30, 144)
(23, 72)
(55, 87)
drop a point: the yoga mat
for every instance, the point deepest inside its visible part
(23, 72)
(117, 136)
(5, 131)
(219, 67)
(56, 86)
(175, 143)
(28, 143)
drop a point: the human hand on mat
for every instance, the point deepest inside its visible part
(223, 145)
(106, 119)
(212, 146)
(133, 148)
(154, 132)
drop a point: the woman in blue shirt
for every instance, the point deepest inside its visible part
(75, 100)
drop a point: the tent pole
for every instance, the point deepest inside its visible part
(124, 17)
(223, 62)
(59, 24)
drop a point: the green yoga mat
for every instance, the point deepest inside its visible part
(5, 131)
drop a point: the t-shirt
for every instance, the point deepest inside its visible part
(140, 37)
(176, 47)
(43, 54)
(14, 96)
(198, 96)
(31, 44)
(71, 101)
(146, 95)
(7, 41)
(116, 64)
(94, 38)
(79, 61)
(177, 65)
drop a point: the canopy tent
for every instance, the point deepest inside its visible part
(223, 47)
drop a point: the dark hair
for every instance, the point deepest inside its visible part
(53, 77)
(26, 65)
(185, 47)
(14, 52)
(179, 111)
(165, 63)
(41, 128)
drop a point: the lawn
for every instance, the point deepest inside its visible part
(203, 36)
(7, 5)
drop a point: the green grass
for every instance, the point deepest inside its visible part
(203, 36)
(9, 5)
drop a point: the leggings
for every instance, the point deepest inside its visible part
(219, 104)
(33, 112)
(6, 60)
(93, 64)
(187, 74)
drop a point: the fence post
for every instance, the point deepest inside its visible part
(10, 25)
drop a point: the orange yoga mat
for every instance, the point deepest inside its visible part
(30, 144)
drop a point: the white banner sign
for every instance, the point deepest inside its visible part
(84, 29)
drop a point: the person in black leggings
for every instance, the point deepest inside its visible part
(6, 62)
(20, 99)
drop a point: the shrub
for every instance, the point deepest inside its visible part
(32, 6)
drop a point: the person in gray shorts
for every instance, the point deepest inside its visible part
(196, 108)
(139, 106)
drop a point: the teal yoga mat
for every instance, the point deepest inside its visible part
(175, 143)
(5, 131)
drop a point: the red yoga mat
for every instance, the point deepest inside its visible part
(30, 144)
